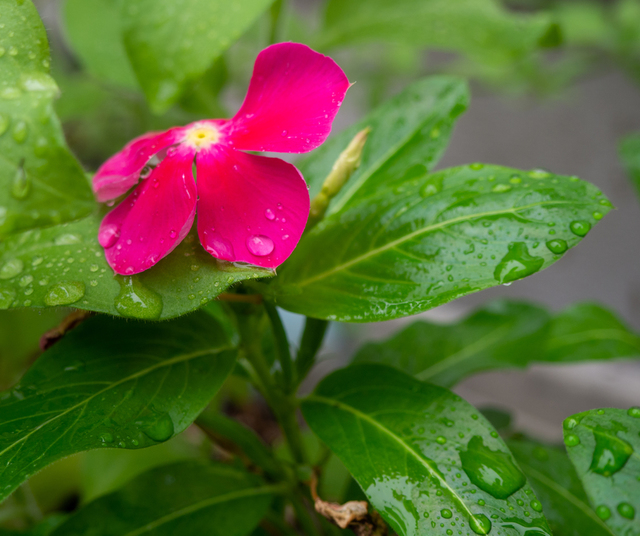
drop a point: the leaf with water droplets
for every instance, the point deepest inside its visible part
(606, 457)
(111, 383)
(501, 335)
(171, 46)
(41, 183)
(406, 247)
(65, 265)
(182, 498)
(425, 458)
(562, 497)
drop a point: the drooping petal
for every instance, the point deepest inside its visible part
(154, 219)
(122, 170)
(292, 100)
(251, 208)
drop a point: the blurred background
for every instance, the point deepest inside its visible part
(555, 85)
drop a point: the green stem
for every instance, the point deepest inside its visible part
(282, 346)
(276, 13)
(304, 516)
(312, 338)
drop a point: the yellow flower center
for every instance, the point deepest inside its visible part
(202, 136)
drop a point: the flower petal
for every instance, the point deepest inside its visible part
(122, 170)
(154, 219)
(292, 99)
(250, 208)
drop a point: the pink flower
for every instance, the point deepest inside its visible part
(250, 208)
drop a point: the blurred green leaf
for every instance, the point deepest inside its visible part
(42, 183)
(93, 27)
(423, 456)
(482, 29)
(559, 489)
(110, 383)
(503, 334)
(629, 150)
(604, 447)
(65, 265)
(433, 238)
(183, 498)
(409, 134)
(172, 44)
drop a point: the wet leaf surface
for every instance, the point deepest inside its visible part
(110, 384)
(427, 460)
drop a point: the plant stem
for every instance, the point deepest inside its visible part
(282, 346)
(312, 338)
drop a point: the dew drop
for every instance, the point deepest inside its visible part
(64, 293)
(106, 437)
(571, 440)
(11, 268)
(21, 185)
(626, 510)
(570, 423)
(260, 245)
(580, 227)
(491, 471)
(557, 246)
(480, 524)
(499, 188)
(172, 234)
(476, 166)
(160, 428)
(269, 214)
(517, 263)
(603, 512)
(446, 513)
(136, 301)
(146, 171)
(441, 440)
(611, 452)
(536, 505)
(20, 131)
(108, 235)
(68, 239)
(7, 296)
(634, 412)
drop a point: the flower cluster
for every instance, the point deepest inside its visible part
(250, 208)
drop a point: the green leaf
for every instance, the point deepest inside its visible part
(110, 383)
(93, 28)
(41, 182)
(424, 457)
(482, 29)
(170, 45)
(629, 150)
(409, 134)
(503, 334)
(586, 332)
(604, 447)
(65, 265)
(182, 498)
(559, 489)
(431, 239)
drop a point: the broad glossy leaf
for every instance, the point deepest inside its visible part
(629, 150)
(604, 447)
(184, 498)
(502, 334)
(409, 134)
(65, 265)
(562, 497)
(110, 383)
(172, 44)
(587, 331)
(93, 28)
(483, 29)
(402, 250)
(427, 460)
(41, 183)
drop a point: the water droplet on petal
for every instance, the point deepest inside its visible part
(108, 235)
(172, 234)
(260, 245)
(269, 214)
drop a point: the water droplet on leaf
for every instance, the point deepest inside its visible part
(603, 512)
(517, 263)
(480, 524)
(64, 293)
(160, 428)
(571, 440)
(11, 268)
(580, 227)
(557, 246)
(610, 453)
(137, 301)
(626, 510)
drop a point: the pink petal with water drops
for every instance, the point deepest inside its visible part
(154, 219)
(122, 171)
(292, 100)
(251, 208)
